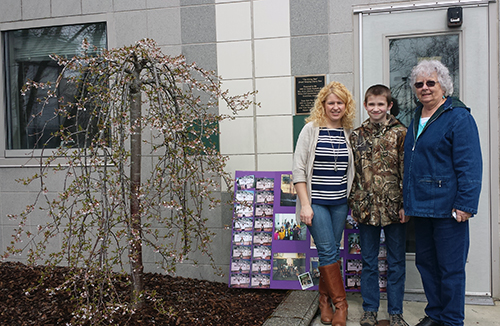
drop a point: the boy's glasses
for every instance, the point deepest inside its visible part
(429, 83)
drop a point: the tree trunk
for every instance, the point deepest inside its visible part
(135, 251)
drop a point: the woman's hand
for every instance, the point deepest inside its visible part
(306, 212)
(461, 216)
(306, 215)
(402, 217)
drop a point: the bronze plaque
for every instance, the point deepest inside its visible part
(306, 89)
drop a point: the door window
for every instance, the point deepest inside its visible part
(405, 53)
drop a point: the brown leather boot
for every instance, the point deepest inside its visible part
(336, 291)
(325, 304)
(339, 301)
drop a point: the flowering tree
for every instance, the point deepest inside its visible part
(131, 103)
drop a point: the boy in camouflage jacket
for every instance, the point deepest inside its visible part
(376, 201)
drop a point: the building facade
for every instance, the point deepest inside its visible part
(265, 45)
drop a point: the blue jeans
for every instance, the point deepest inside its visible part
(442, 245)
(395, 242)
(327, 227)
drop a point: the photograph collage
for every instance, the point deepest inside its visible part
(271, 250)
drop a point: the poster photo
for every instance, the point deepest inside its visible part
(265, 184)
(240, 280)
(354, 266)
(264, 210)
(242, 224)
(245, 182)
(242, 238)
(354, 246)
(382, 252)
(264, 196)
(288, 194)
(288, 266)
(350, 223)
(382, 283)
(261, 281)
(242, 252)
(243, 210)
(383, 266)
(353, 282)
(244, 196)
(240, 265)
(261, 266)
(262, 252)
(262, 238)
(263, 224)
(305, 280)
(314, 270)
(287, 229)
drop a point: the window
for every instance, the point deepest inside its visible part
(407, 52)
(27, 54)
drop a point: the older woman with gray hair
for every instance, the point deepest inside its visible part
(441, 187)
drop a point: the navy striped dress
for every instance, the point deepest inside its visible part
(329, 179)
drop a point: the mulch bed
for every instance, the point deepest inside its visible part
(190, 301)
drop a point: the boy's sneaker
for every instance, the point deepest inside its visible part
(369, 319)
(397, 320)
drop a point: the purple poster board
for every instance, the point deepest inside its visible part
(268, 248)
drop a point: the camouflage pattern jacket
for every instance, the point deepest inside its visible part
(377, 191)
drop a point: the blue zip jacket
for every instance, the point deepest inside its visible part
(443, 167)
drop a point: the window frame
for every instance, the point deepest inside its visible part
(17, 157)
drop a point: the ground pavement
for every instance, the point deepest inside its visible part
(300, 308)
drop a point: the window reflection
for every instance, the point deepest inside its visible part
(405, 53)
(29, 123)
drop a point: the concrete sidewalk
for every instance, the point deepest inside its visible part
(300, 308)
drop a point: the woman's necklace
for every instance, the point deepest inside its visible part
(335, 157)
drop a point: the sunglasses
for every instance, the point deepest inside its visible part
(429, 83)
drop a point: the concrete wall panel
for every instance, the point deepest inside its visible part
(126, 35)
(204, 55)
(309, 55)
(126, 5)
(308, 17)
(164, 26)
(198, 24)
(66, 8)
(96, 6)
(35, 9)
(11, 11)
(341, 53)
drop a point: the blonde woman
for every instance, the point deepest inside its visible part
(323, 171)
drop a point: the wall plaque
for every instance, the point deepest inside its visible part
(306, 89)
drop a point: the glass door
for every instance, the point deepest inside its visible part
(391, 43)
